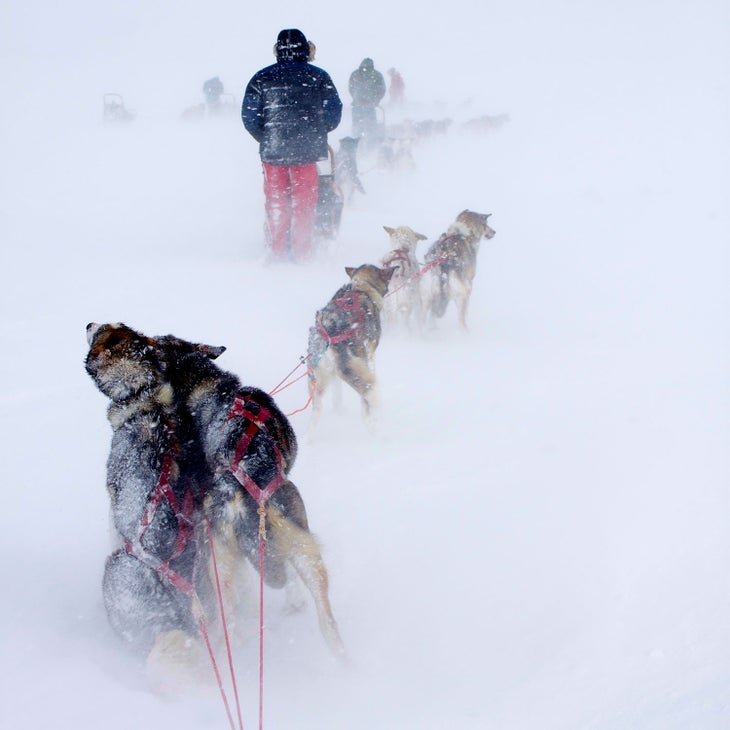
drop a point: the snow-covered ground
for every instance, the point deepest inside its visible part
(537, 535)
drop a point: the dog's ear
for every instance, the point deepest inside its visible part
(180, 348)
(390, 231)
(421, 237)
(212, 351)
(349, 270)
(387, 274)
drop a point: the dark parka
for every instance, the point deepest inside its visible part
(367, 86)
(289, 107)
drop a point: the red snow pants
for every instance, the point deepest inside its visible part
(291, 206)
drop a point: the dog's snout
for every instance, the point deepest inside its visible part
(91, 330)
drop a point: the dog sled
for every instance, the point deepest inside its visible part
(229, 104)
(380, 126)
(114, 109)
(330, 202)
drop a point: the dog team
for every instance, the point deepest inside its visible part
(347, 331)
(198, 469)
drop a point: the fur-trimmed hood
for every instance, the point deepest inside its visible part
(292, 45)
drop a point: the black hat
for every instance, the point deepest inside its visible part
(291, 45)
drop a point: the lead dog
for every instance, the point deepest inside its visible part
(403, 299)
(345, 336)
(450, 265)
(155, 582)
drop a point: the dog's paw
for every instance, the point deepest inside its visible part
(177, 664)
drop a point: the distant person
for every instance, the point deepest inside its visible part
(397, 88)
(213, 91)
(289, 108)
(367, 89)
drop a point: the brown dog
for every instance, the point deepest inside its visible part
(346, 334)
(451, 264)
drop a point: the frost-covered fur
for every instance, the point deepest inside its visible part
(402, 303)
(171, 415)
(451, 262)
(143, 606)
(223, 411)
(345, 336)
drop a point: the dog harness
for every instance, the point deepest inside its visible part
(398, 257)
(400, 254)
(352, 306)
(241, 408)
(448, 244)
(184, 513)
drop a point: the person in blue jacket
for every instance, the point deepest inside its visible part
(289, 108)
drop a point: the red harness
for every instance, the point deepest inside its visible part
(350, 304)
(398, 256)
(448, 242)
(257, 422)
(432, 264)
(183, 513)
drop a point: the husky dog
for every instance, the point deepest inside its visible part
(156, 583)
(403, 299)
(485, 123)
(450, 265)
(346, 334)
(249, 447)
(187, 438)
(346, 173)
(328, 211)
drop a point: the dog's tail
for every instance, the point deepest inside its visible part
(440, 294)
(316, 347)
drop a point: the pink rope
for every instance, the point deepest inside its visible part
(204, 632)
(278, 387)
(262, 548)
(224, 623)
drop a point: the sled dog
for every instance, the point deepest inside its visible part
(176, 459)
(346, 172)
(153, 583)
(450, 265)
(403, 299)
(345, 336)
(249, 447)
(485, 123)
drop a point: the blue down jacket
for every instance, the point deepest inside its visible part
(288, 108)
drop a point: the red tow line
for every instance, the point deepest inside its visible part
(241, 408)
(426, 267)
(184, 514)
